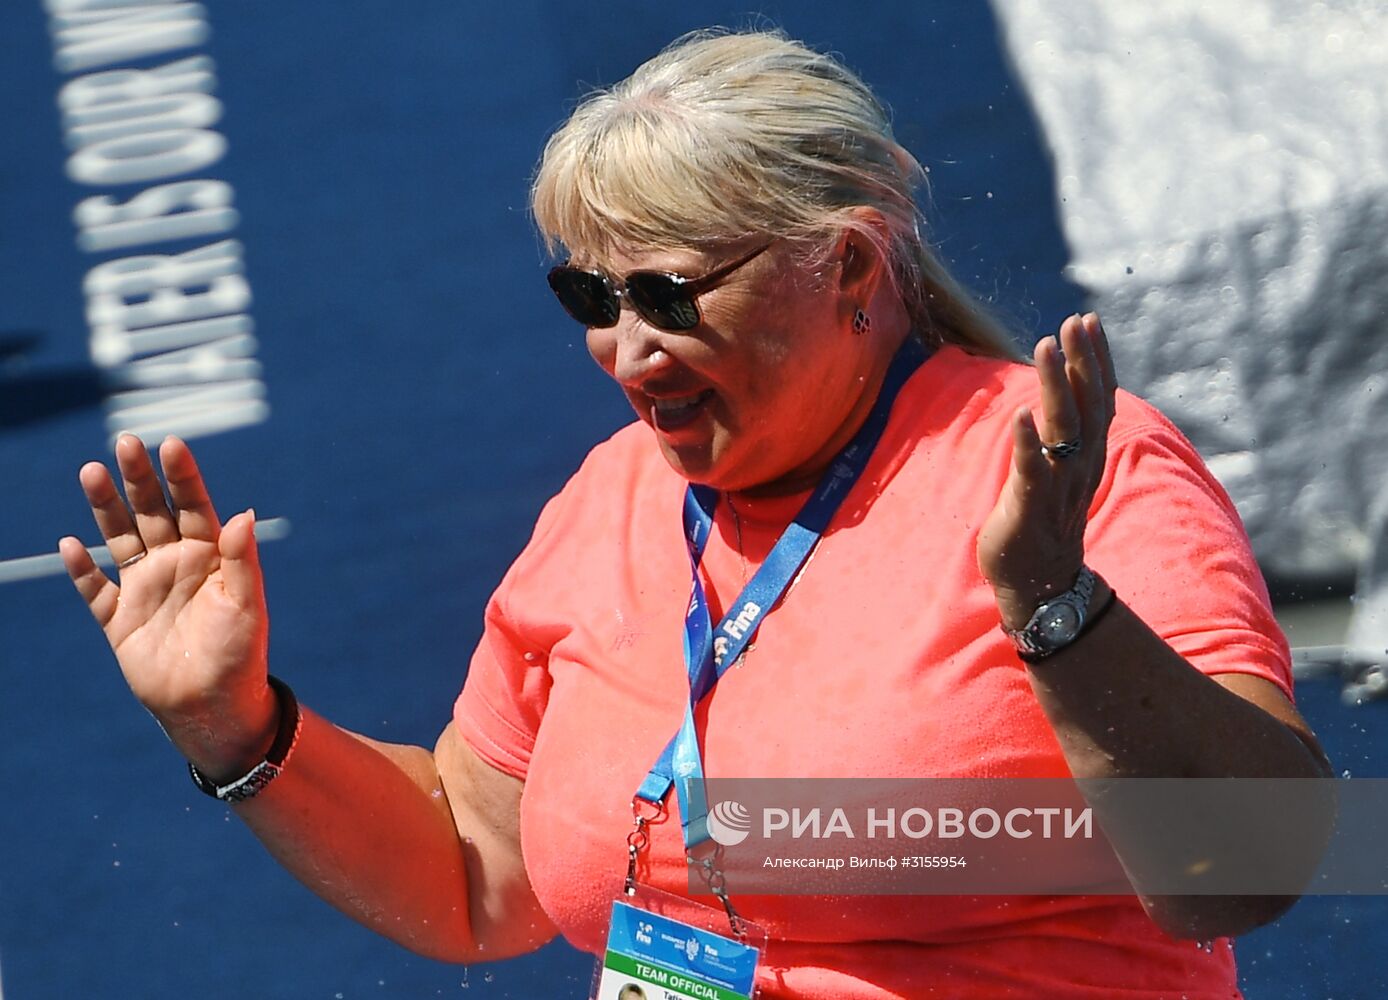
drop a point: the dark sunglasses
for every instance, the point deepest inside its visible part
(662, 299)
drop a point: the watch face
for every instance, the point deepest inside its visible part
(1060, 623)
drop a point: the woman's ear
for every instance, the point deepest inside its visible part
(861, 254)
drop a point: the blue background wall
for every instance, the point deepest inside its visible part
(427, 396)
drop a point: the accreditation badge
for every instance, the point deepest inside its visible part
(655, 957)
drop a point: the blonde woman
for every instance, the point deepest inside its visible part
(740, 237)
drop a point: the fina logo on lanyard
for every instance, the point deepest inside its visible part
(745, 620)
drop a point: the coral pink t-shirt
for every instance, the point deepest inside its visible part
(883, 660)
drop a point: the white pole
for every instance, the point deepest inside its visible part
(51, 564)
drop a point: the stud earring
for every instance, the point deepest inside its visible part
(862, 322)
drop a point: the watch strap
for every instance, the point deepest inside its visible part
(286, 736)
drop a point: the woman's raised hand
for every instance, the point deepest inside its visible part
(1032, 545)
(187, 621)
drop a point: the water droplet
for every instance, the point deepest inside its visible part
(1345, 773)
(487, 977)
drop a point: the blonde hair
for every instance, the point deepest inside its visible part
(725, 136)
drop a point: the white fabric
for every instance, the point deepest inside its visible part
(1222, 170)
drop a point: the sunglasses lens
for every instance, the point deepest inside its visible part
(662, 300)
(587, 297)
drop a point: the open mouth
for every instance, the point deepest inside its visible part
(672, 412)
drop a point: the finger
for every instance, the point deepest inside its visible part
(192, 506)
(95, 586)
(241, 562)
(109, 511)
(1085, 379)
(1060, 414)
(1107, 404)
(1032, 466)
(1104, 352)
(153, 519)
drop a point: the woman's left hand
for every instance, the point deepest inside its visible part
(1032, 545)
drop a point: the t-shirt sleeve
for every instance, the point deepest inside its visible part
(1166, 536)
(504, 696)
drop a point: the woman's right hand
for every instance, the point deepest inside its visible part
(187, 622)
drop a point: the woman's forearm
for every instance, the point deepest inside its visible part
(1124, 704)
(368, 827)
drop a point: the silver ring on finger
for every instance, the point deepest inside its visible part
(1063, 449)
(133, 559)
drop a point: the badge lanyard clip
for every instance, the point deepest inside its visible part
(644, 813)
(711, 873)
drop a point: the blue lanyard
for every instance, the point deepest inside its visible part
(708, 653)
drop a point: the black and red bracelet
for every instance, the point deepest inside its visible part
(286, 736)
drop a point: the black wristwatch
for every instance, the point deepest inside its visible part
(1057, 622)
